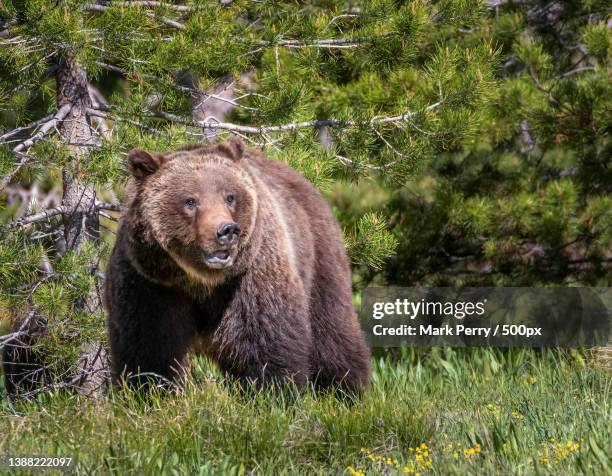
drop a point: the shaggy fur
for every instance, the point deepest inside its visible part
(281, 310)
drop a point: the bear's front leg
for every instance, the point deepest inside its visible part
(150, 327)
(265, 339)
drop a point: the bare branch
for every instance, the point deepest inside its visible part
(327, 43)
(103, 115)
(576, 71)
(108, 217)
(5, 339)
(45, 214)
(146, 4)
(22, 331)
(112, 68)
(51, 212)
(338, 17)
(98, 101)
(107, 206)
(350, 46)
(57, 118)
(191, 90)
(167, 21)
(18, 150)
(289, 127)
(18, 130)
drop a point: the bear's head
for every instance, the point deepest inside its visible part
(198, 204)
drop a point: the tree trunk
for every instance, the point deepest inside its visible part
(28, 372)
(81, 224)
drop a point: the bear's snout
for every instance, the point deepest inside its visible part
(219, 250)
(227, 233)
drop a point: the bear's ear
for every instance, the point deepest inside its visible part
(232, 148)
(143, 164)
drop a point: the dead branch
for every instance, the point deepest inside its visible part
(51, 212)
(18, 130)
(167, 21)
(103, 115)
(57, 118)
(5, 339)
(290, 127)
(136, 3)
(576, 71)
(45, 214)
(326, 43)
(107, 206)
(187, 89)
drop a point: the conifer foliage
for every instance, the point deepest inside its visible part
(346, 92)
(528, 202)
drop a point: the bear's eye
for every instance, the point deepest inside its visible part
(229, 199)
(190, 203)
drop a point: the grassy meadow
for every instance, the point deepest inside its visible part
(444, 411)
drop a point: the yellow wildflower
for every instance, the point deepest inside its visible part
(354, 472)
(494, 409)
(557, 452)
(469, 453)
(517, 416)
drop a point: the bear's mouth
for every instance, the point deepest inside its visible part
(218, 259)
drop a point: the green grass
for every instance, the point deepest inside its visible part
(466, 412)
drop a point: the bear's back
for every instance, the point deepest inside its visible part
(314, 230)
(284, 180)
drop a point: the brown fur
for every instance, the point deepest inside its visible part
(281, 310)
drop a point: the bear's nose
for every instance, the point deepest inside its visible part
(227, 233)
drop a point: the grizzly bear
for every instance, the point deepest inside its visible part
(224, 252)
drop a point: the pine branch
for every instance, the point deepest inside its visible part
(103, 115)
(51, 212)
(107, 206)
(328, 43)
(112, 68)
(108, 217)
(136, 3)
(339, 43)
(166, 21)
(5, 339)
(18, 130)
(187, 89)
(24, 330)
(57, 118)
(289, 127)
(539, 85)
(45, 214)
(576, 71)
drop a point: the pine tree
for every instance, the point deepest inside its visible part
(528, 202)
(345, 92)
